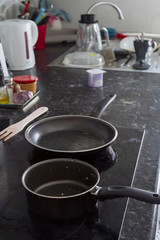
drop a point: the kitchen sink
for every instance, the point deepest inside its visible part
(121, 64)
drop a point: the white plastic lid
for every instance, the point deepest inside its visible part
(95, 71)
(84, 59)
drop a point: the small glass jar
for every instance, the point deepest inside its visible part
(4, 98)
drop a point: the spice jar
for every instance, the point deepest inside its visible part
(26, 82)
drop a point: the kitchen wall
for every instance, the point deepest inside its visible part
(139, 15)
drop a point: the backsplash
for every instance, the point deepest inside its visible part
(139, 16)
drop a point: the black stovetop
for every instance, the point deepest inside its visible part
(102, 224)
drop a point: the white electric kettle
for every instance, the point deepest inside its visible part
(18, 37)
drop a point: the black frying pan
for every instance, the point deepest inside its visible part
(73, 134)
(63, 189)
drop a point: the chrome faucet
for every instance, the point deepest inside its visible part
(120, 14)
(121, 17)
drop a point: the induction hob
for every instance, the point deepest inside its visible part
(103, 223)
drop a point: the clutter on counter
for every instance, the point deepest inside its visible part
(41, 13)
(18, 91)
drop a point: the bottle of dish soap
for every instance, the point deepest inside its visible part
(4, 99)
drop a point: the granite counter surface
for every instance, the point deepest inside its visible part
(66, 91)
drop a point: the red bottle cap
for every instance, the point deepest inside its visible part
(25, 79)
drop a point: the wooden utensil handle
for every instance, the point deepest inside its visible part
(38, 112)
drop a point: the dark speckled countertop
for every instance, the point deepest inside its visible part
(137, 106)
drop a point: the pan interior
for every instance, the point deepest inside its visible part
(71, 133)
(62, 188)
(60, 178)
(71, 140)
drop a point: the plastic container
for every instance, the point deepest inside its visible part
(26, 82)
(95, 77)
(84, 59)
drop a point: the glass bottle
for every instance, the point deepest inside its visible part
(3, 89)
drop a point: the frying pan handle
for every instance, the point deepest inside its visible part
(112, 192)
(100, 108)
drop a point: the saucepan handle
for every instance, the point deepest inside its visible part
(112, 192)
(100, 108)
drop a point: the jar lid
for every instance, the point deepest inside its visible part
(25, 79)
(88, 18)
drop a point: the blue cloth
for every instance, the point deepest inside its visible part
(60, 13)
(55, 11)
(44, 4)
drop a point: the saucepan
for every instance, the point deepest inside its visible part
(64, 189)
(74, 135)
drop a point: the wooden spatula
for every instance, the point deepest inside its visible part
(13, 129)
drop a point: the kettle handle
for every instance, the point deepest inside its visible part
(34, 31)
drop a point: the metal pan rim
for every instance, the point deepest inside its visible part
(76, 151)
